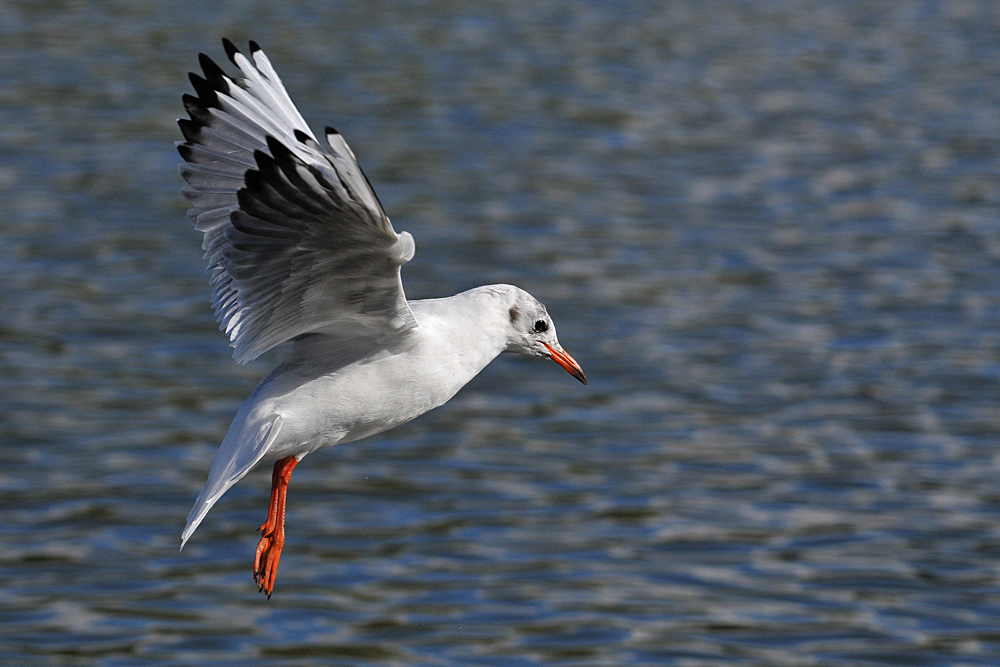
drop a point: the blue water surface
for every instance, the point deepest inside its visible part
(767, 230)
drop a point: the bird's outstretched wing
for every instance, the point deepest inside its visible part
(295, 238)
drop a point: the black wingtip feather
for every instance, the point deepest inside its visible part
(280, 151)
(330, 130)
(213, 73)
(302, 136)
(189, 129)
(185, 151)
(252, 180)
(231, 50)
(280, 179)
(206, 91)
(254, 47)
(196, 109)
(262, 159)
(283, 160)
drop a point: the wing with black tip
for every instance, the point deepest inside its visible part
(295, 238)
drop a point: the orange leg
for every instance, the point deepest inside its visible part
(265, 566)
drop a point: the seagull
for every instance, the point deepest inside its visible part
(300, 251)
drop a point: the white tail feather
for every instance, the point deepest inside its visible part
(234, 459)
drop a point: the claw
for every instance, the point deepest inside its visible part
(265, 566)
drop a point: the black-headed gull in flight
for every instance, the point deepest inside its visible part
(299, 250)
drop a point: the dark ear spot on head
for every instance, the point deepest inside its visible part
(514, 314)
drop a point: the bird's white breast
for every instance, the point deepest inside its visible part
(326, 395)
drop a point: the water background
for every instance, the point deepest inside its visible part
(767, 230)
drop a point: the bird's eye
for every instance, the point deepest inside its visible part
(541, 325)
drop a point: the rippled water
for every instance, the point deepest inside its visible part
(768, 231)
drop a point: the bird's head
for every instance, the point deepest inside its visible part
(533, 333)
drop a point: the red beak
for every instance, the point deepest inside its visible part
(562, 358)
